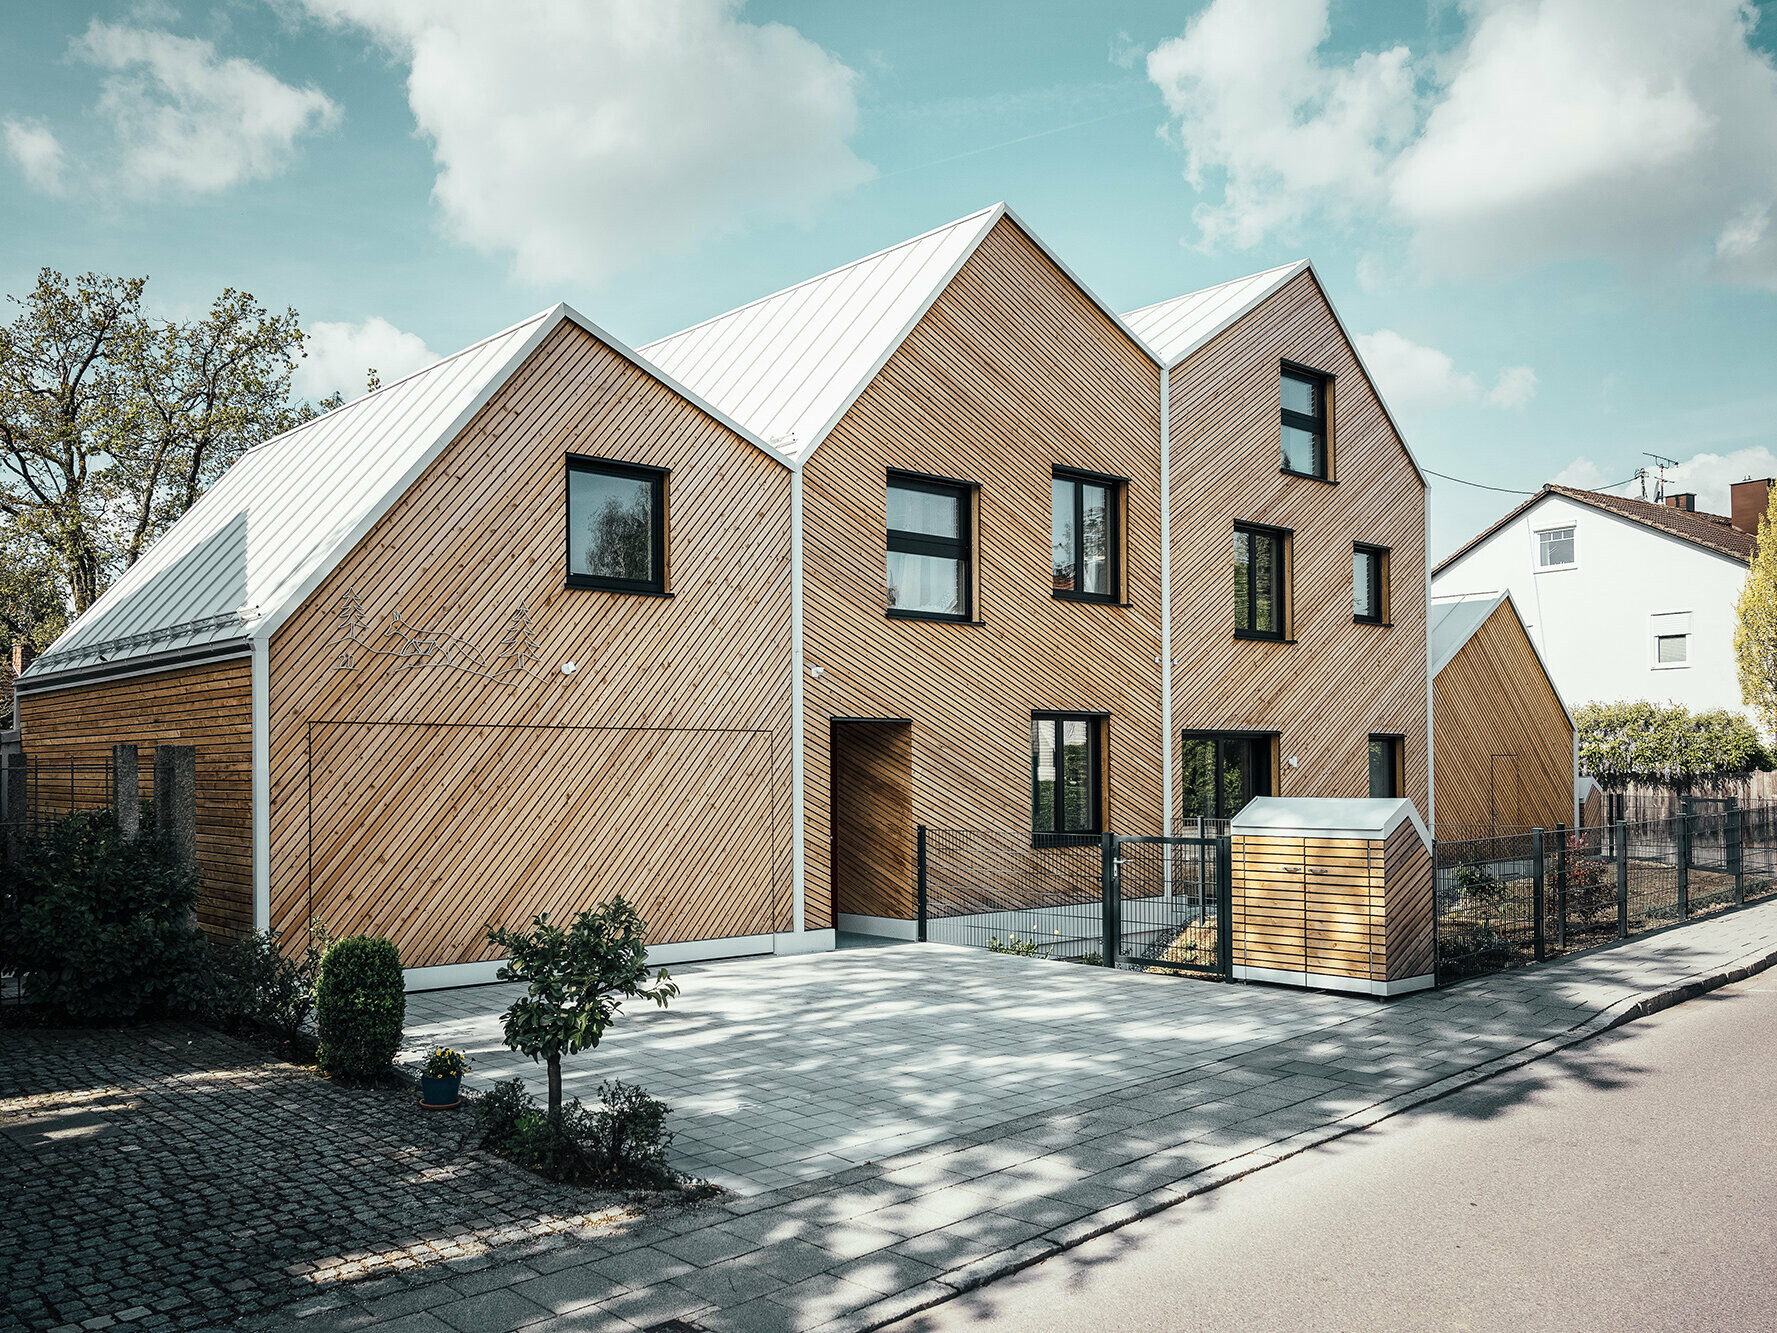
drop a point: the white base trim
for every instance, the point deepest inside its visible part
(1328, 981)
(692, 951)
(806, 941)
(889, 927)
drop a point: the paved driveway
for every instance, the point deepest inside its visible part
(782, 1070)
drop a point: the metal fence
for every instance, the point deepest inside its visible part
(1519, 898)
(1106, 900)
(35, 792)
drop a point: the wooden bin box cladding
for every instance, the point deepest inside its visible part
(1333, 894)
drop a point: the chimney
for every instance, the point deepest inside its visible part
(1686, 501)
(1748, 506)
(23, 654)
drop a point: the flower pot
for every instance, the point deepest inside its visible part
(441, 1092)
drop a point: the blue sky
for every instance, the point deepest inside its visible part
(1550, 222)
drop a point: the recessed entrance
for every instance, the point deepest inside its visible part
(872, 846)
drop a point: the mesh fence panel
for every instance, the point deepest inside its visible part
(1170, 915)
(1014, 893)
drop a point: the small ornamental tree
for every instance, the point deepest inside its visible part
(1666, 744)
(579, 979)
(1755, 629)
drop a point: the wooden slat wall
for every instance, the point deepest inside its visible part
(1011, 372)
(208, 707)
(1493, 699)
(873, 850)
(468, 815)
(1339, 682)
(1411, 930)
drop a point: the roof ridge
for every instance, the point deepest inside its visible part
(1228, 282)
(822, 277)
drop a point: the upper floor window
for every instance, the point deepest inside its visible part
(1554, 548)
(616, 526)
(1064, 767)
(1260, 577)
(1386, 777)
(1369, 584)
(1672, 639)
(1083, 534)
(1303, 394)
(929, 577)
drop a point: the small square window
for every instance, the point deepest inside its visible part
(1672, 649)
(1302, 400)
(1554, 548)
(1369, 585)
(928, 548)
(616, 526)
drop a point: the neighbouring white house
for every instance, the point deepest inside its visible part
(1624, 599)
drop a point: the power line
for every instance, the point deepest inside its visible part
(1508, 490)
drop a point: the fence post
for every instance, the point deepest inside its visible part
(1539, 945)
(175, 800)
(1683, 851)
(14, 802)
(1113, 906)
(1737, 851)
(1561, 886)
(1622, 850)
(1225, 904)
(126, 791)
(920, 881)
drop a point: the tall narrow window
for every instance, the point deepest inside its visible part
(1083, 534)
(1064, 774)
(1303, 395)
(1260, 578)
(1369, 584)
(616, 526)
(928, 548)
(1385, 766)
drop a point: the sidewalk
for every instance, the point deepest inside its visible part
(872, 1242)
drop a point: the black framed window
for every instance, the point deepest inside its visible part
(616, 526)
(1084, 535)
(1260, 578)
(928, 548)
(1385, 766)
(1223, 771)
(1369, 584)
(1065, 789)
(1303, 398)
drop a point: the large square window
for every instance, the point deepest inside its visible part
(1554, 548)
(1260, 578)
(928, 548)
(1083, 536)
(616, 526)
(1064, 767)
(1302, 398)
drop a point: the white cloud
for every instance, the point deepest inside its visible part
(188, 120)
(1583, 474)
(338, 354)
(1708, 475)
(1252, 103)
(583, 138)
(1417, 378)
(33, 146)
(1559, 128)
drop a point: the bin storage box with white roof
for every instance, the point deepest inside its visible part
(1333, 894)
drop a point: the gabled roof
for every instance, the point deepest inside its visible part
(1450, 623)
(1175, 328)
(1713, 532)
(791, 364)
(244, 557)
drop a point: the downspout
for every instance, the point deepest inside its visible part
(260, 676)
(1431, 763)
(1166, 776)
(798, 886)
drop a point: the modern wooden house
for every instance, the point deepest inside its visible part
(1507, 752)
(934, 538)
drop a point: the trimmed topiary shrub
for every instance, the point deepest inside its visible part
(360, 1006)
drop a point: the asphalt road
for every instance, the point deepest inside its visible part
(1627, 1183)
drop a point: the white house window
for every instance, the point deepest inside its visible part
(1554, 548)
(1672, 639)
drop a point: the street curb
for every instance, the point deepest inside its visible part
(978, 1273)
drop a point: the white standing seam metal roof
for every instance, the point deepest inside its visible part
(1327, 817)
(1174, 329)
(244, 557)
(1450, 622)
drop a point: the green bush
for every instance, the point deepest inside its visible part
(100, 929)
(623, 1142)
(1620, 743)
(252, 983)
(1022, 948)
(360, 1006)
(629, 1133)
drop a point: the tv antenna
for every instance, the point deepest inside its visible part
(1661, 463)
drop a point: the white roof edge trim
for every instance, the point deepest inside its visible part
(1322, 817)
(272, 619)
(1495, 599)
(989, 217)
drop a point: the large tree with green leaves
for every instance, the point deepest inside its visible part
(1755, 629)
(112, 423)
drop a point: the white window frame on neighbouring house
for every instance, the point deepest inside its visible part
(1663, 628)
(1537, 545)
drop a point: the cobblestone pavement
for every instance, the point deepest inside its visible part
(872, 1242)
(171, 1177)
